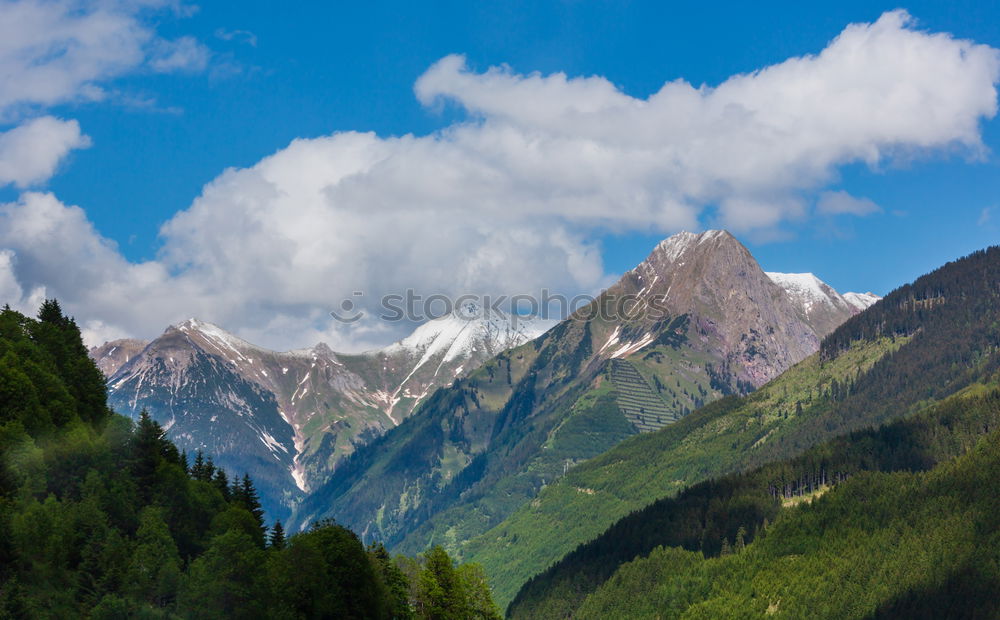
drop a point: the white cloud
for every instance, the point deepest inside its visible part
(30, 152)
(54, 51)
(840, 202)
(183, 54)
(505, 202)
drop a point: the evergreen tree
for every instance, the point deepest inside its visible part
(740, 539)
(276, 540)
(199, 470)
(220, 480)
(250, 500)
(397, 587)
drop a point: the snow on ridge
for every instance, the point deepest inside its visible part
(458, 335)
(860, 301)
(218, 336)
(673, 246)
(807, 290)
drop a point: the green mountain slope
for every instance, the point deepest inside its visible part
(893, 545)
(922, 343)
(717, 512)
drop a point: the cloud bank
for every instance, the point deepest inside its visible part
(506, 200)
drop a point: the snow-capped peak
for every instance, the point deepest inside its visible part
(811, 293)
(468, 329)
(808, 291)
(217, 336)
(861, 301)
(674, 246)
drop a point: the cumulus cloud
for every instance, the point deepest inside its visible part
(30, 152)
(54, 51)
(506, 200)
(840, 202)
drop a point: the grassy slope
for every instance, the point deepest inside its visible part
(881, 544)
(720, 437)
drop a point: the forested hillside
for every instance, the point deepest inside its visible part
(101, 517)
(880, 545)
(721, 515)
(930, 340)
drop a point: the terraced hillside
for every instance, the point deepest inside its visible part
(639, 403)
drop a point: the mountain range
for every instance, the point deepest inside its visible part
(290, 417)
(701, 320)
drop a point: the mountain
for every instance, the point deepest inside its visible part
(819, 305)
(922, 344)
(861, 301)
(111, 356)
(697, 320)
(291, 417)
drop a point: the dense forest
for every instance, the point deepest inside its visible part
(880, 545)
(102, 517)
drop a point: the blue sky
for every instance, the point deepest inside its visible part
(274, 73)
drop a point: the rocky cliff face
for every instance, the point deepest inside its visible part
(739, 314)
(111, 356)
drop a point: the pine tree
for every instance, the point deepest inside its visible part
(251, 501)
(147, 452)
(276, 540)
(220, 480)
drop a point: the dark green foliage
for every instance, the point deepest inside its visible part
(725, 514)
(449, 593)
(395, 582)
(880, 545)
(276, 539)
(102, 517)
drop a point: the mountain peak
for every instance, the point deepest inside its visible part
(218, 337)
(469, 327)
(674, 246)
(861, 301)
